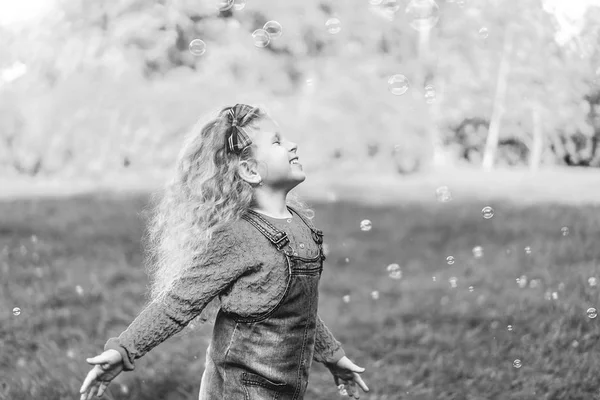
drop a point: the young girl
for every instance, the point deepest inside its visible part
(227, 227)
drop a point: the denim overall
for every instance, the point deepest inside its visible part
(268, 356)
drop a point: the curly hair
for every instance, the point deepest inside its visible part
(204, 195)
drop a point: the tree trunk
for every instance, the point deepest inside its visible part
(491, 144)
(433, 141)
(537, 146)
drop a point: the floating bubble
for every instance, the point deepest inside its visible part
(79, 290)
(433, 278)
(197, 47)
(517, 363)
(443, 194)
(365, 225)
(398, 84)
(273, 28)
(239, 5)
(394, 271)
(422, 14)
(452, 281)
(224, 5)
(34, 239)
(509, 328)
(534, 283)
(487, 212)
(124, 388)
(484, 33)
(460, 3)
(592, 312)
(527, 250)
(429, 94)
(450, 260)
(477, 251)
(347, 260)
(333, 25)
(342, 390)
(471, 288)
(16, 311)
(261, 38)
(592, 281)
(375, 294)
(346, 298)
(564, 231)
(522, 281)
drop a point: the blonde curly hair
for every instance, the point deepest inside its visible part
(204, 195)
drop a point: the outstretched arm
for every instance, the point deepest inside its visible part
(327, 348)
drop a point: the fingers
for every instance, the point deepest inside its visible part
(360, 382)
(89, 395)
(102, 388)
(91, 376)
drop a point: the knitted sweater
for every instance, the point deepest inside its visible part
(247, 273)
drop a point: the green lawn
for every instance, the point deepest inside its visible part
(80, 281)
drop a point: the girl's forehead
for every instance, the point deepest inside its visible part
(267, 127)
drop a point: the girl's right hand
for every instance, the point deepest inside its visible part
(107, 366)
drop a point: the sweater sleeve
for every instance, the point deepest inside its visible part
(327, 348)
(189, 296)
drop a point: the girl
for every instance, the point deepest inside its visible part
(228, 228)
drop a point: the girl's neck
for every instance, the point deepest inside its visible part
(272, 204)
(268, 214)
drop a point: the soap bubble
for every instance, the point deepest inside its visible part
(394, 271)
(484, 33)
(261, 38)
(224, 5)
(365, 225)
(16, 311)
(333, 25)
(477, 251)
(592, 281)
(450, 260)
(487, 212)
(239, 5)
(273, 28)
(197, 47)
(443, 194)
(592, 312)
(398, 84)
(564, 231)
(429, 94)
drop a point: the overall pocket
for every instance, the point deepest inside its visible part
(258, 387)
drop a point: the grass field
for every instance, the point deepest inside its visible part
(73, 267)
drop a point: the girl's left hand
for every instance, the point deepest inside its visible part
(346, 375)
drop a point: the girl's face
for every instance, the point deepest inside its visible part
(274, 154)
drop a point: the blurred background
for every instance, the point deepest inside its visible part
(451, 149)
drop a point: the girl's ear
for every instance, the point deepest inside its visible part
(248, 171)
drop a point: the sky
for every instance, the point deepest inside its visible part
(22, 11)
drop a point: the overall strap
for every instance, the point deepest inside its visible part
(278, 238)
(316, 233)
